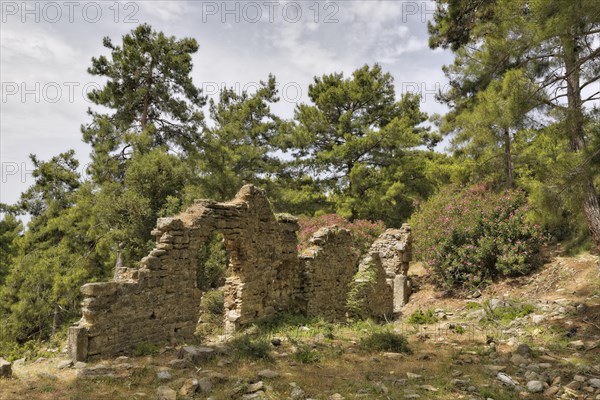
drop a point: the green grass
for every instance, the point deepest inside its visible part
(504, 315)
(306, 355)
(385, 341)
(246, 347)
(146, 349)
(420, 317)
(473, 305)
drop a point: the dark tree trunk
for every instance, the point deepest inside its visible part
(508, 168)
(56, 319)
(574, 125)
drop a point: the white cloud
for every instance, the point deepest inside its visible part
(167, 11)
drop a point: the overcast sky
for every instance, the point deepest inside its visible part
(46, 48)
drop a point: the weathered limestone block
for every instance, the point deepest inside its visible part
(100, 289)
(402, 291)
(5, 368)
(170, 223)
(78, 343)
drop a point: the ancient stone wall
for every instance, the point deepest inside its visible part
(395, 251)
(160, 301)
(328, 267)
(370, 294)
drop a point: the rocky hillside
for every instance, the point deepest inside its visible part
(534, 337)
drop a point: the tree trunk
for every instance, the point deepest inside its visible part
(55, 319)
(145, 113)
(574, 124)
(118, 263)
(508, 168)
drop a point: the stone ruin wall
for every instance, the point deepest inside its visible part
(394, 247)
(160, 301)
(329, 265)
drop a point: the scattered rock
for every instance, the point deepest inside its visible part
(411, 375)
(595, 383)
(535, 386)
(524, 350)
(80, 365)
(495, 368)
(336, 396)
(297, 394)
(178, 364)
(497, 303)
(518, 359)
(381, 387)
(276, 342)
(5, 368)
(268, 374)
(65, 364)
(216, 377)
(190, 386)
(20, 361)
(166, 393)
(577, 344)
(502, 377)
(255, 387)
(205, 385)
(538, 319)
(163, 375)
(196, 354)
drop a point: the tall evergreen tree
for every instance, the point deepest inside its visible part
(360, 141)
(141, 150)
(554, 43)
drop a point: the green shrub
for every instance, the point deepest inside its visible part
(468, 237)
(146, 349)
(421, 317)
(212, 264)
(473, 305)
(508, 313)
(385, 341)
(245, 347)
(306, 355)
(212, 310)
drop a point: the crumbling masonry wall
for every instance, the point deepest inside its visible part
(160, 301)
(394, 247)
(328, 267)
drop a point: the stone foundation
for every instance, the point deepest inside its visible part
(160, 301)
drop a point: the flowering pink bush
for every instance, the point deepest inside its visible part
(468, 237)
(363, 232)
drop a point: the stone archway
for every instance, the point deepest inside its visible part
(160, 300)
